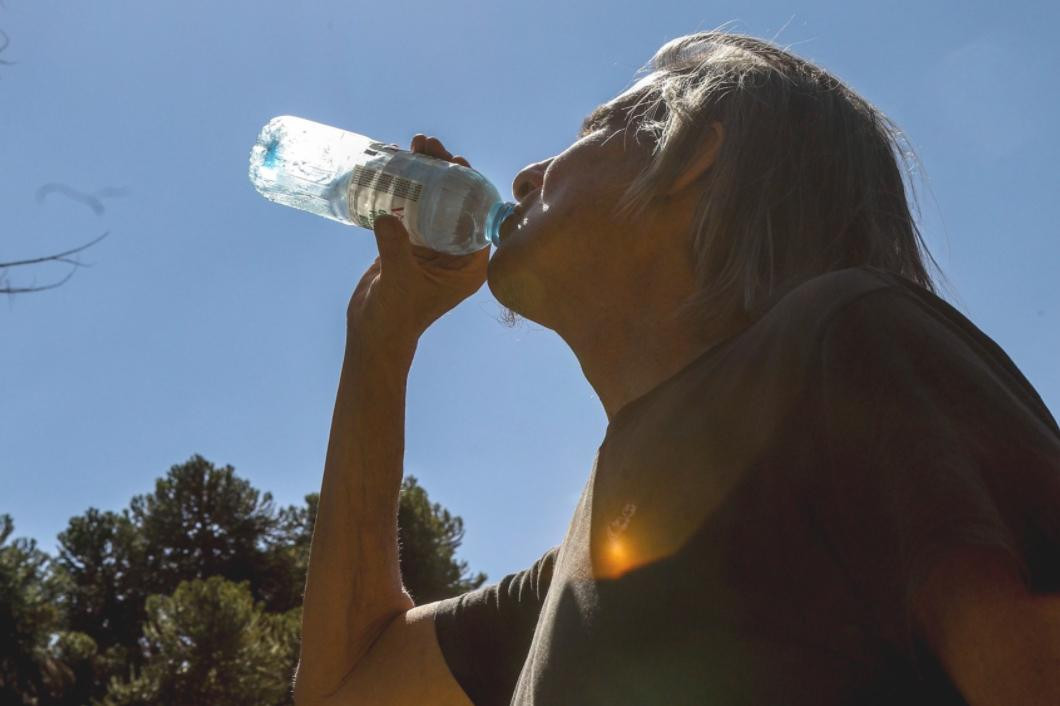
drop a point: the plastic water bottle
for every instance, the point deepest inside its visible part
(353, 179)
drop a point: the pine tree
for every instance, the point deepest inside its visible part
(210, 643)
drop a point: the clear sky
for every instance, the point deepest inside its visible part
(212, 321)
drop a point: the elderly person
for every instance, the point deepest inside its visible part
(820, 484)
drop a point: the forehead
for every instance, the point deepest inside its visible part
(618, 105)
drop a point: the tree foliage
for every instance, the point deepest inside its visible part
(204, 521)
(210, 643)
(102, 555)
(190, 595)
(429, 537)
(32, 669)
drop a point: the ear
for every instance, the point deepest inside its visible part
(705, 156)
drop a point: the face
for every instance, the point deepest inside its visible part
(565, 242)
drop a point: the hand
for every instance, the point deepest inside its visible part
(409, 287)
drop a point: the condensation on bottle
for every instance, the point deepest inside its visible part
(353, 179)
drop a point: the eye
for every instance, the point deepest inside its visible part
(597, 120)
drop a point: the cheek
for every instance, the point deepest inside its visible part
(587, 189)
(573, 202)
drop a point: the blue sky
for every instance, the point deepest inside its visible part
(212, 321)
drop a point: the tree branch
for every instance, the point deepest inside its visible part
(63, 257)
(56, 256)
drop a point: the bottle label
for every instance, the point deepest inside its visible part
(375, 148)
(372, 188)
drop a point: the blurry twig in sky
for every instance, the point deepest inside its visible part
(93, 201)
(65, 257)
(4, 41)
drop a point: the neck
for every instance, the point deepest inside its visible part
(625, 358)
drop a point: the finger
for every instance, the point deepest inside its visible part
(393, 242)
(423, 253)
(435, 148)
(461, 161)
(449, 261)
(367, 278)
(417, 143)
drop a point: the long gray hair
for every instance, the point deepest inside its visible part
(807, 179)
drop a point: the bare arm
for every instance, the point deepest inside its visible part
(354, 593)
(405, 667)
(354, 584)
(999, 643)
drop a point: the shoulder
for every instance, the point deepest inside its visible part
(823, 298)
(875, 314)
(800, 314)
(884, 330)
(870, 307)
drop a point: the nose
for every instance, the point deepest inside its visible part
(529, 179)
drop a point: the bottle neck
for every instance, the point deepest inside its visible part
(498, 212)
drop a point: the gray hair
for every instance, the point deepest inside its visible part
(806, 181)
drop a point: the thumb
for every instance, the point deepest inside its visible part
(392, 240)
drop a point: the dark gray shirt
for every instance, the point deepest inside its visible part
(753, 527)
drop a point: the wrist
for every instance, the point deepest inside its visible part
(390, 349)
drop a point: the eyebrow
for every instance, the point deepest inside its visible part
(600, 116)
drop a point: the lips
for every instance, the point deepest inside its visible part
(508, 224)
(514, 219)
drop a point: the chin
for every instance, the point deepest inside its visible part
(511, 285)
(499, 277)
